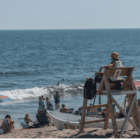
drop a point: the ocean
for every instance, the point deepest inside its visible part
(32, 62)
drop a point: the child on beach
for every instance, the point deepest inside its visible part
(63, 109)
(49, 104)
(27, 119)
(41, 106)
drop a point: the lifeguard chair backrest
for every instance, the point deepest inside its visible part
(122, 71)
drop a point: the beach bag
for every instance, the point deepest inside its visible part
(89, 89)
(98, 77)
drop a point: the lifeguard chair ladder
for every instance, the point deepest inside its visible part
(128, 90)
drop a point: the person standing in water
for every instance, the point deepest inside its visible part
(57, 98)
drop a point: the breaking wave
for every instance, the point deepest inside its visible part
(20, 94)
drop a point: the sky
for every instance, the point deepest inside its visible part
(69, 14)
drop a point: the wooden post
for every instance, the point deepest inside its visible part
(124, 124)
(119, 107)
(106, 116)
(83, 115)
(114, 124)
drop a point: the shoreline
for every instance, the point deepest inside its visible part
(52, 132)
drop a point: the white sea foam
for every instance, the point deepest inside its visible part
(20, 94)
(24, 93)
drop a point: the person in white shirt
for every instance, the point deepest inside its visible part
(116, 63)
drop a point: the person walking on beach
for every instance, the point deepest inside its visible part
(57, 98)
(49, 104)
(41, 106)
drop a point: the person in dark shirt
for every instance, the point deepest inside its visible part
(57, 98)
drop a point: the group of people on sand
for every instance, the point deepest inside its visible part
(41, 107)
(7, 124)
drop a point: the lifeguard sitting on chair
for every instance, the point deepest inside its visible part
(112, 80)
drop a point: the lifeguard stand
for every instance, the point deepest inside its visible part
(128, 90)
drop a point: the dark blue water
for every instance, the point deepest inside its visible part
(44, 57)
(32, 62)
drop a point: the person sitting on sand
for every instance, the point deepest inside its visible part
(63, 109)
(57, 98)
(48, 104)
(27, 119)
(7, 124)
(41, 106)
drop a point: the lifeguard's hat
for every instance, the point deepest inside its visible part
(114, 55)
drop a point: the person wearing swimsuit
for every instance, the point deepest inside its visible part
(27, 119)
(57, 98)
(63, 109)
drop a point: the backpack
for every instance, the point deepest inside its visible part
(89, 89)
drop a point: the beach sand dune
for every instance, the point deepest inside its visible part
(52, 132)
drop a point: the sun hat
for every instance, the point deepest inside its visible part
(114, 55)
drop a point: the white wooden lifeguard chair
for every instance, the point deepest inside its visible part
(128, 90)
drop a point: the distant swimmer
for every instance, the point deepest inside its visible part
(57, 98)
(57, 84)
(63, 79)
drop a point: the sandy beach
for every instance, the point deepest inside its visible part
(52, 132)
